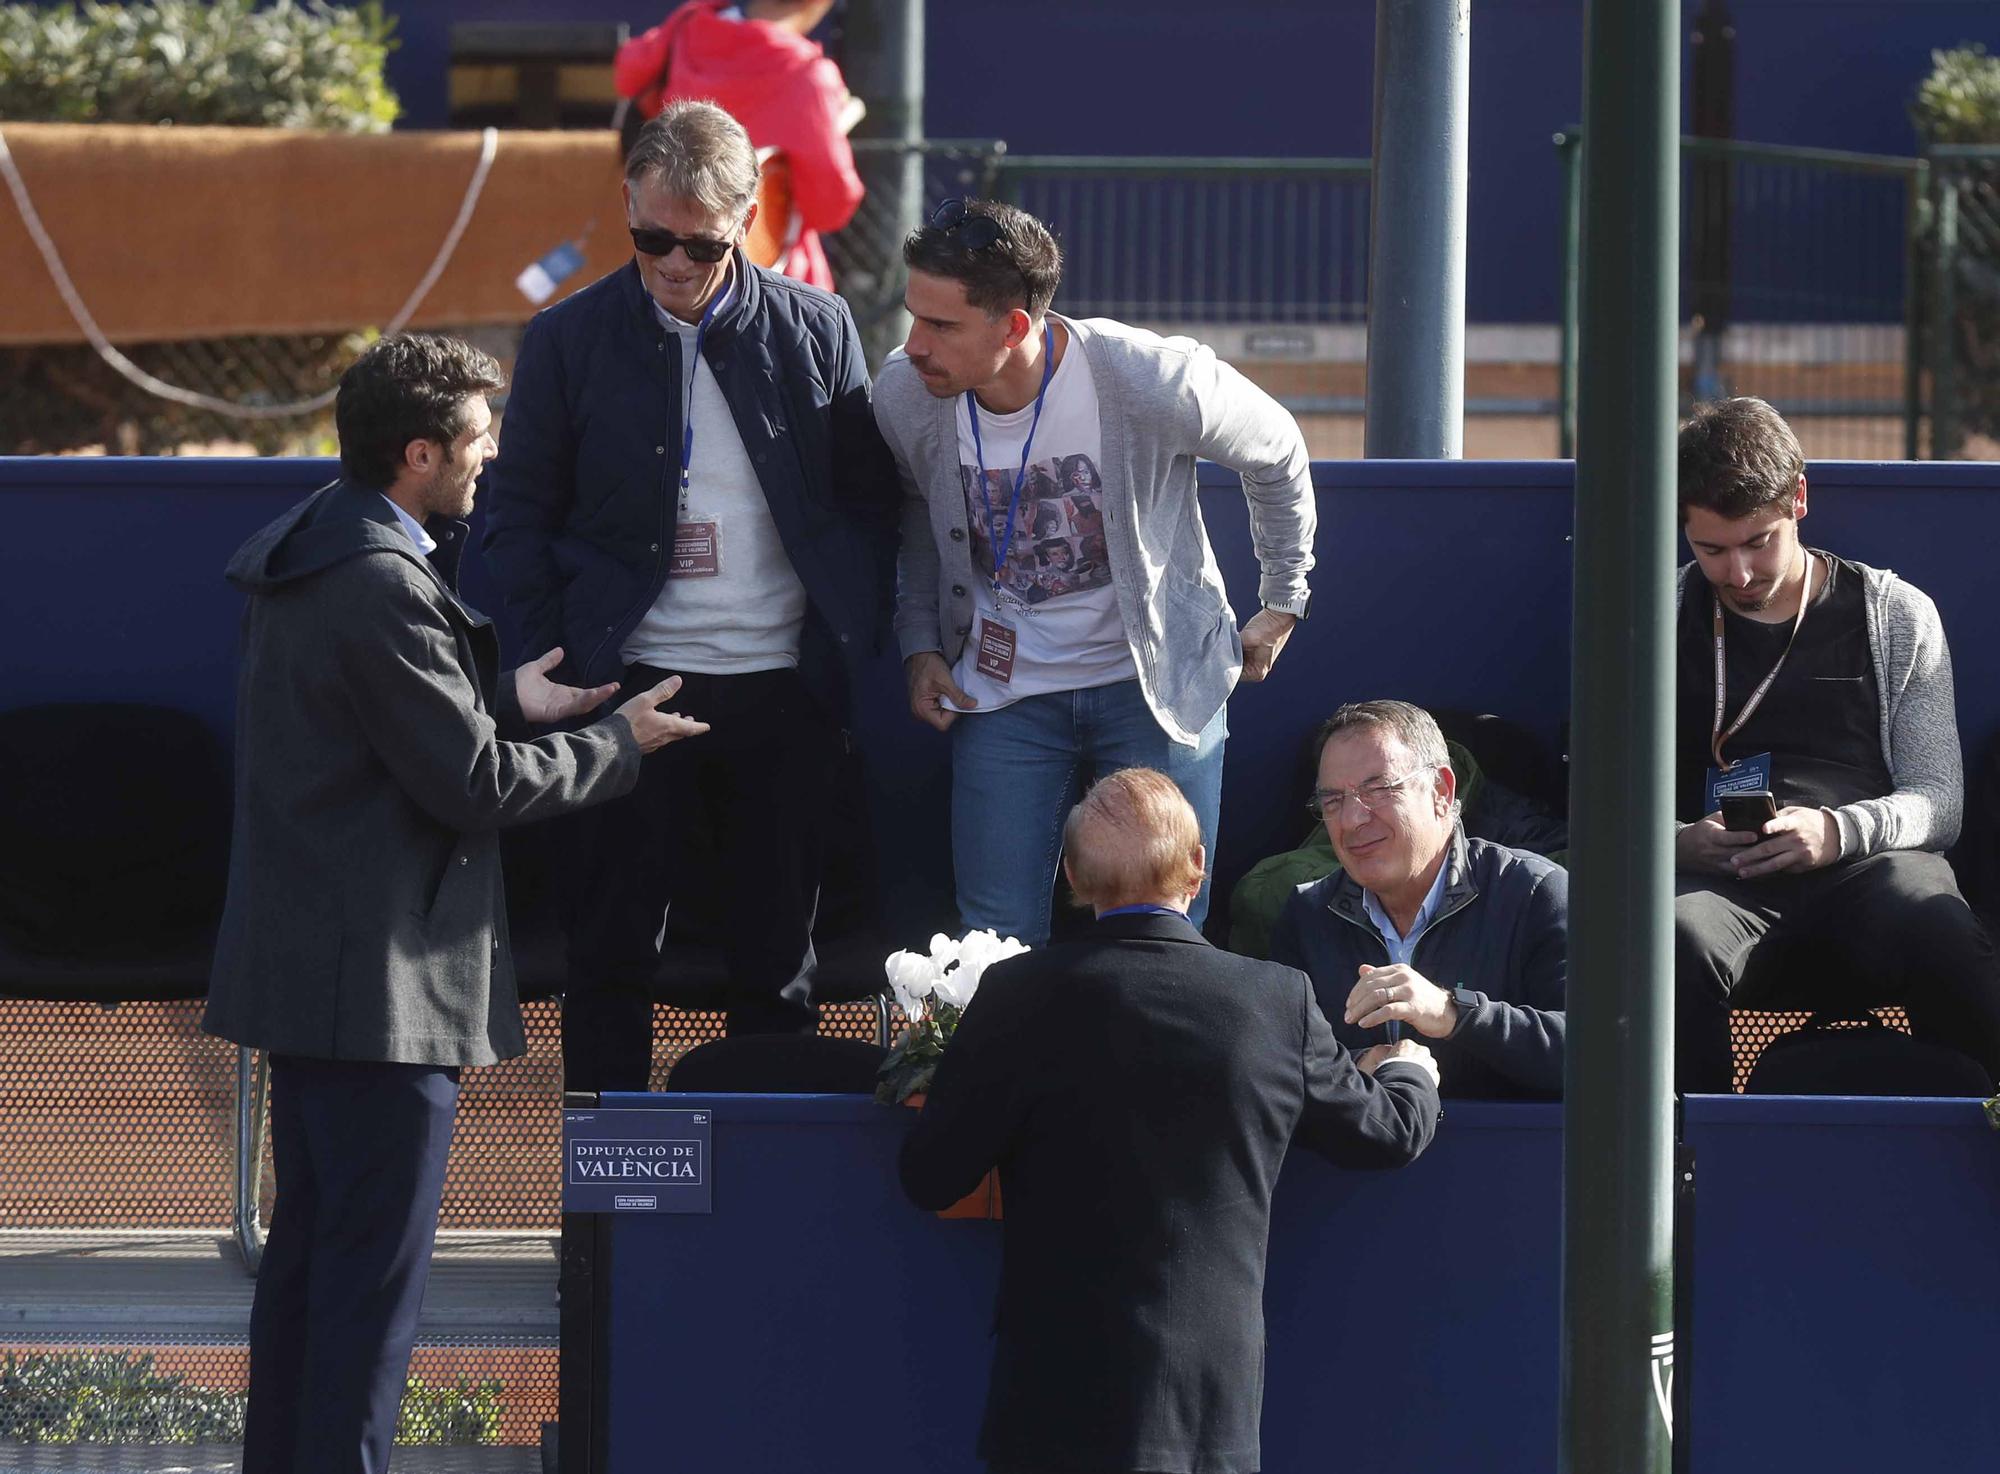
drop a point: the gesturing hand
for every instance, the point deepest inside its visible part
(543, 700)
(655, 728)
(1263, 641)
(1401, 994)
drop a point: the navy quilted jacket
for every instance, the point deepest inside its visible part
(581, 501)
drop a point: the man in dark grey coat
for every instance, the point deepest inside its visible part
(364, 944)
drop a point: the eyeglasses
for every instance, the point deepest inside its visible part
(1371, 796)
(700, 248)
(973, 231)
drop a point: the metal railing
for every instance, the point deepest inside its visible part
(1798, 267)
(1221, 240)
(1159, 241)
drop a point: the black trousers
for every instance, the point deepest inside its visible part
(1888, 929)
(757, 780)
(360, 1151)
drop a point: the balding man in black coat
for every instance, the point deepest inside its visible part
(1138, 1091)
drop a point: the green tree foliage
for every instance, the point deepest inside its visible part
(290, 65)
(1959, 102)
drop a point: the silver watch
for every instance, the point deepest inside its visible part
(1294, 607)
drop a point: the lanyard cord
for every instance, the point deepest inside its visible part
(1001, 546)
(687, 403)
(1717, 733)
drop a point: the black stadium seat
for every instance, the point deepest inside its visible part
(114, 845)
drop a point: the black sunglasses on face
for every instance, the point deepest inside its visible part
(974, 232)
(703, 249)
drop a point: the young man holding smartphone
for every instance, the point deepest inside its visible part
(1816, 690)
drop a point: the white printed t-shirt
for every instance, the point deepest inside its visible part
(1056, 625)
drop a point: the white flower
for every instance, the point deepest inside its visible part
(979, 951)
(912, 979)
(956, 987)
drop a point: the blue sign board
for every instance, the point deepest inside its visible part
(636, 1161)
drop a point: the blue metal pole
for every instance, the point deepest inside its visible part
(1416, 252)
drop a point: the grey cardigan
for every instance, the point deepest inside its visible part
(1919, 724)
(366, 919)
(1161, 403)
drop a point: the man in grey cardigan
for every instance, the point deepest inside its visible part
(364, 942)
(1827, 684)
(1016, 429)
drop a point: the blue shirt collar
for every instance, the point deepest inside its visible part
(1400, 947)
(426, 544)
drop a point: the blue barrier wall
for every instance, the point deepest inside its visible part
(1444, 583)
(1844, 1283)
(817, 1321)
(1841, 1267)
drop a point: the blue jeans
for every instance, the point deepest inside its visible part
(1016, 773)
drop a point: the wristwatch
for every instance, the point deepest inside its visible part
(1466, 1001)
(1294, 607)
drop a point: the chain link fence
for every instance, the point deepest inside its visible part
(64, 398)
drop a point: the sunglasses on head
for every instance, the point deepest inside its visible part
(972, 231)
(701, 248)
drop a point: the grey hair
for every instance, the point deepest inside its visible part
(1414, 727)
(696, 151)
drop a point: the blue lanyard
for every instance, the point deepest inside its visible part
(1001, 545)
(1143, 909)
(687, 404)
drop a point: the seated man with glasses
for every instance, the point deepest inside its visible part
(1423, 930)
(1103, 638)
(690, 482)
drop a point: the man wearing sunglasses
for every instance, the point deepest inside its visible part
(1423, 932)
(690, 482)
(1098, 425)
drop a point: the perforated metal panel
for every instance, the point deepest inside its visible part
(124, 1119)
(114, 1118)
(1751, 1032)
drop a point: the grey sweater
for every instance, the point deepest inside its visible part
(1161, 403)
(1919, 724)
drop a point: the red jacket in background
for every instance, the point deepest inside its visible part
(779, 86)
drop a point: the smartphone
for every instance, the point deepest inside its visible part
(1748, 812)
